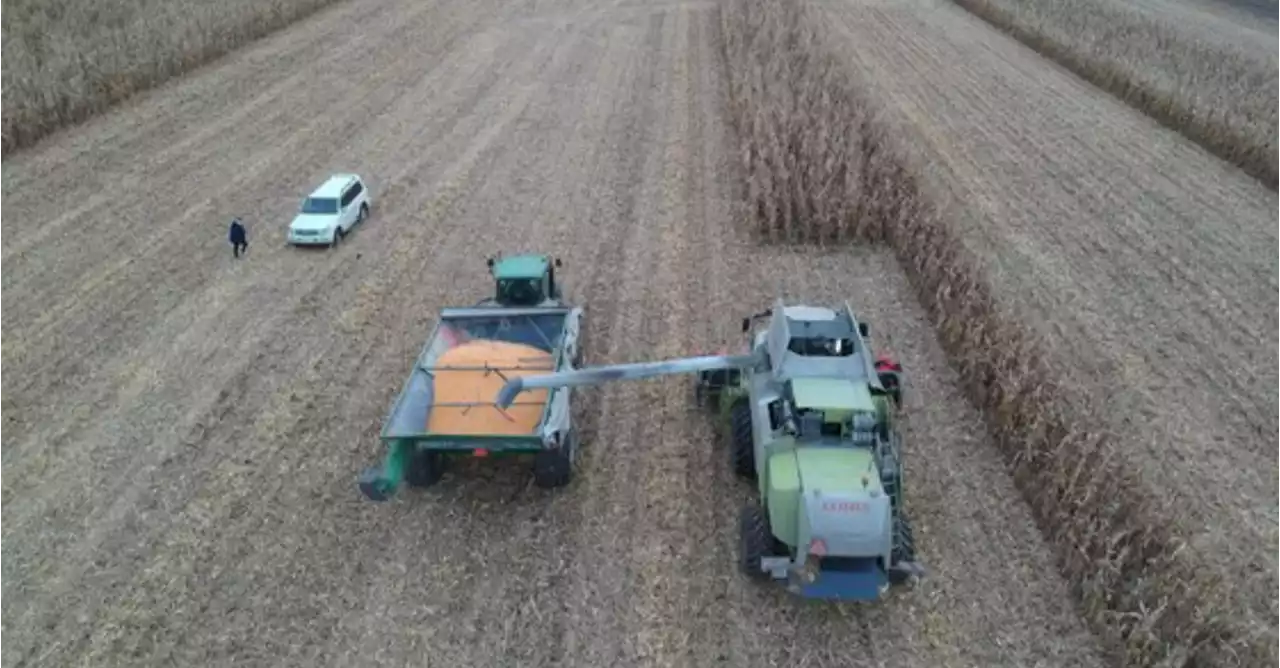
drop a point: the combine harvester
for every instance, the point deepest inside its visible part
(446, 406)
(811, 419)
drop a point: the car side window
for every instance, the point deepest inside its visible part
(351, 194)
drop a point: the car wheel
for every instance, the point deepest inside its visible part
(337, 236)
(364, 213)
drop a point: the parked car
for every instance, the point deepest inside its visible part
(330, 211)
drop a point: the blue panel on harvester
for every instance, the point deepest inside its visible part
(853, 580)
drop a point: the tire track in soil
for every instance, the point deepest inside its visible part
(191, 309)
(508, 529)
(73, 164)
(286, 419)
(123, 325)
(456, 265)
(675, 597)
(244, 318)
(710, 310)
(116, 321)
(606, 301)
(656, 615)
(183, 152)
(513, 531)
(533, 615)
(130, 216)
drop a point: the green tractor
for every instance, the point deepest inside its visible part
(811, 418)
(524, 280)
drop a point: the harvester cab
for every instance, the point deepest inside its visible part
(524, 280)
(810, 415)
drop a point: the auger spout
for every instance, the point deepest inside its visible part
(635, 371)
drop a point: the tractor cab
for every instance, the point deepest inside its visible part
(525, 280)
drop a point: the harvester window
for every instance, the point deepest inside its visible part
(821, 346)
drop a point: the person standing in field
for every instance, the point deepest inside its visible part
(239, 238)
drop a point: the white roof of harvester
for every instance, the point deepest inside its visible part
(333, 186)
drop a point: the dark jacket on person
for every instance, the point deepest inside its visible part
(238, 235)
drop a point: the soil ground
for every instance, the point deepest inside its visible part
(1147, 262)
(183, 430)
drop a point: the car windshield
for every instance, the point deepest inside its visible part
(319, 205)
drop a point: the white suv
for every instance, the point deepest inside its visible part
(340, 203)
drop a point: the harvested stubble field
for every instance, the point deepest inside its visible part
(66, 60)
(1208, 72)
(1106, 289)
(184, 429)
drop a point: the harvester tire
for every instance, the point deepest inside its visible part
(741, 448)
(425, 469)
(553, 467)
(755, 541)
(904, 546)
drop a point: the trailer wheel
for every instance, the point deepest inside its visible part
(425, 469)
(755, 541)
(741, 447)
(553, 467)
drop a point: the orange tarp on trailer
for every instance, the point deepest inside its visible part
(481, 388)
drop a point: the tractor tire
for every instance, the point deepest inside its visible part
(755, 541)
(904, 546)
(425, 469)
(741, 447)
(553, 467)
